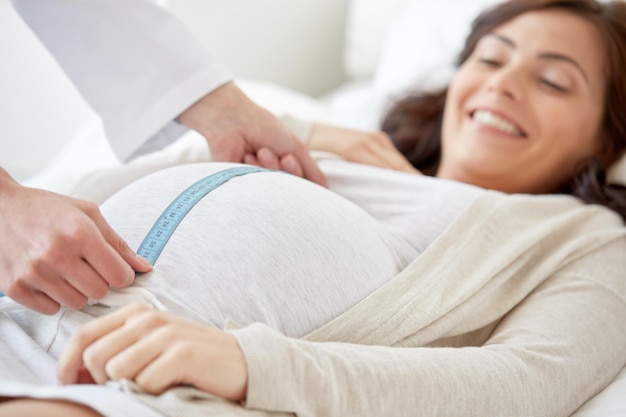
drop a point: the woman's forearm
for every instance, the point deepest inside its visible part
(541, 360)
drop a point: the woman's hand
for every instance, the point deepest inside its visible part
(157, 351)
(370, 148)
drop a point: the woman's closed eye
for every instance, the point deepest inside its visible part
(553, 85)
(490, 62)
(555, 79)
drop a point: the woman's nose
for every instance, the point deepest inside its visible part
(507, 81)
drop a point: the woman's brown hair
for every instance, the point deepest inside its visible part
(414, 122)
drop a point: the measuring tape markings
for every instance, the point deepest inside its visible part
(156, 239)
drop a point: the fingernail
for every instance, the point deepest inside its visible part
(144, 262)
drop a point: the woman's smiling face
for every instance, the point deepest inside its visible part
(526, 105)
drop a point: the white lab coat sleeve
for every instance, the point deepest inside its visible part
(135, 63)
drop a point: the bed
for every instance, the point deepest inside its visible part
(380, 59)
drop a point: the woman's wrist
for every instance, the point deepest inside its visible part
(239, 368)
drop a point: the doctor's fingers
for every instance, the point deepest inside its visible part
(109, 254)
(53, 271)
(291, 164)
(71, 290)
(284, 144)
(267, 159)
(75, 232)
(306, 163)
(46, 293)
(48, 284)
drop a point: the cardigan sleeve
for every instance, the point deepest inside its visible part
(135, 64)
(546, 357)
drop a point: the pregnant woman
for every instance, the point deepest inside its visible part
(488, 289)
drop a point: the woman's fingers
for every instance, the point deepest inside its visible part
(144, 337)
(71, 361)
(131, 362)
(157, 351)
(362, 147)
(104, 358)
(206, 358)
(182, 357)
(391, 158)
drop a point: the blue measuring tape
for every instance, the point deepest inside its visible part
(164, 227)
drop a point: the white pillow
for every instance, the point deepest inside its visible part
(366, 29)
(423, 42)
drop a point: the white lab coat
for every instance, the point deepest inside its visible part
(135, 64)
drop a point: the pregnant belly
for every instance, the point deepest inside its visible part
(266, 247)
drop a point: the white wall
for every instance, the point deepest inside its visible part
(295, 43)
(39, 108)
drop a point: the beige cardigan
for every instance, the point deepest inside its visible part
(518, 309)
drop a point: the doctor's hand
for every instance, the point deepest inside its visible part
(56, 250)
(235, 127)
(157, 351)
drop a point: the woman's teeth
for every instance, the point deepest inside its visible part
(489, 119)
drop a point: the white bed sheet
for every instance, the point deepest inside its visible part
(88, 153)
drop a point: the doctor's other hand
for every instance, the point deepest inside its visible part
(157, 351)
(56, 250)
(234, 126)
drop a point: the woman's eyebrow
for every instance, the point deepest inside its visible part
(545, 55)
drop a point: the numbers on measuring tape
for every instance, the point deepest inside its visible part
(156, 239)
